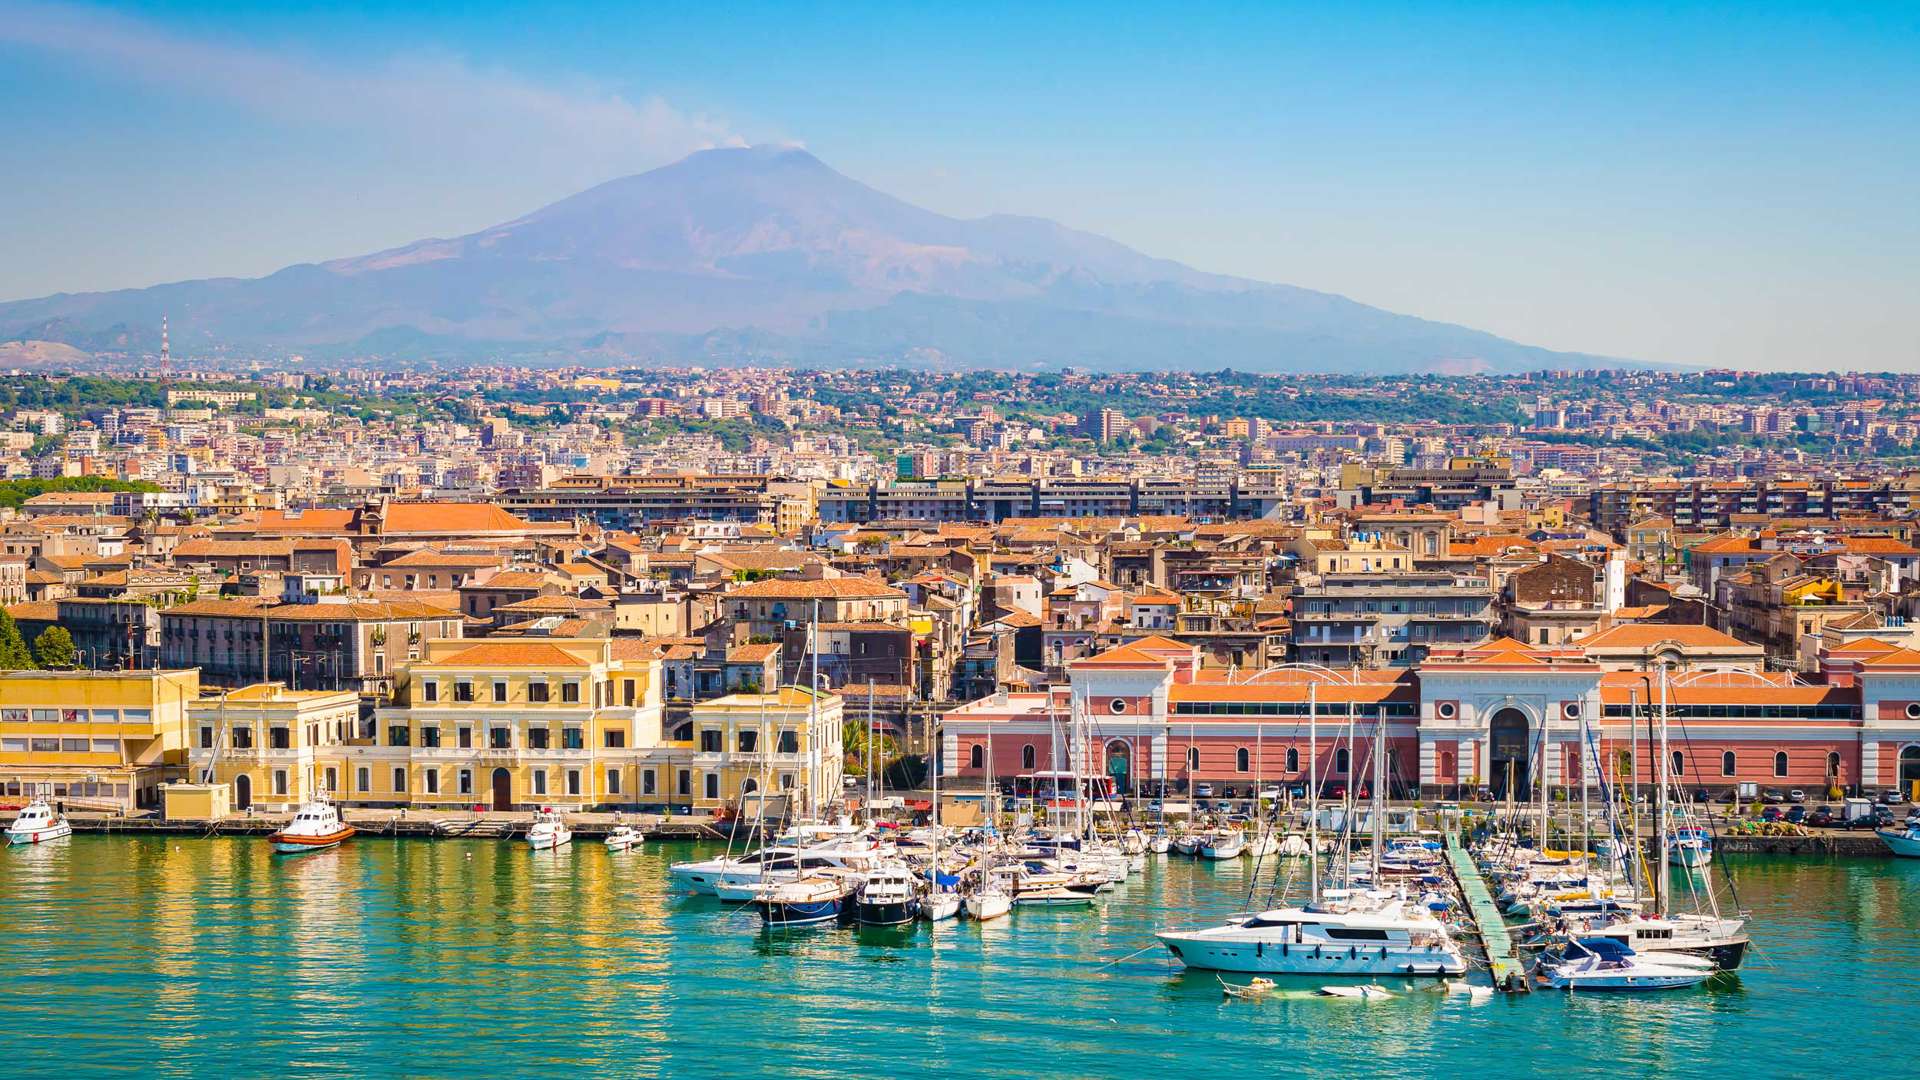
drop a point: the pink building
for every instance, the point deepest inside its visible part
(1498, 715)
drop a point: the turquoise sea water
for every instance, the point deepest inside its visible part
(420, 958)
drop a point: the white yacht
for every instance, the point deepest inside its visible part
(988, 901)
(622, 838)
(1370, 935)
(38, 824)
(549, 831)
(1722, 940)
(733, 878)
(1605, 964)
(316, 826)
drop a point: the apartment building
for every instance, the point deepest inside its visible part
(95, 739)
(273, 747)
(1388, 619)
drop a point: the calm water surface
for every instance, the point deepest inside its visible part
(419, 958)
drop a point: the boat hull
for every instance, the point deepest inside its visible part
(885, 913)
(1905, 844)
(1284, 959)
(41, 836)
(789, 913)
(982, 907)
(283, 844)
(549, 842)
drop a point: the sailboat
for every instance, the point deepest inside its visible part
(940, 902)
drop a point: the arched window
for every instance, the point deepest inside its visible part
(1026, 756)
(1780, 763)
(1293, 759)
(1833, 766)
(1193, 758)
(1240, 758)
(749, 787)
(977, 757)
(1341, 759)
(1679, 764)
(1727, 764)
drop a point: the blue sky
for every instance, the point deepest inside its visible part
(1722, 184)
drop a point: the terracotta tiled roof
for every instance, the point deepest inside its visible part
(234, 549)
(498, 654)
(840, 588)
(1648, 635)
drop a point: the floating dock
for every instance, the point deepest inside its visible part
(1503, 958)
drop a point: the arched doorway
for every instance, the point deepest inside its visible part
(1507, 759)
(1909, 769)
(1120, 766)
(242, 791)
(502, 789)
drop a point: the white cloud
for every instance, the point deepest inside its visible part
(426, 101)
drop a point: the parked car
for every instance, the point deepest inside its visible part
(1772, 795)
(1796, 795)
(1203, 791)
(1796, 814)
(1893, 797)
(1882, 818)
(1771, 813)
(1702, 795)
(1222, 806)
(1823, 817)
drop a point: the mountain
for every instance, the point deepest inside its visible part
(766, 254)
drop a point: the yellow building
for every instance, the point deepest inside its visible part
(272, 746)
(786, 742)
(99, 740)
(510, 723)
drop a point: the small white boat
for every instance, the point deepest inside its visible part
(1904, 842)
(315, 827)
(1295, 847)
(940, 906)
(987, 903)
(1691, 847)
(1605, 964)
(1224, 845)
(38, 824)
(1264, 846)
(1363, 992)
(549, 831)
(623, 837)
(1160, 844)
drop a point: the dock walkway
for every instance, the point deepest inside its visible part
(1504, 958)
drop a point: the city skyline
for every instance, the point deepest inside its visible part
(1655, 203)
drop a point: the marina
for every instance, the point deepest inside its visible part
(482, 955)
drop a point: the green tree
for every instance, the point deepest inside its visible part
(13, 648)
(55, 649)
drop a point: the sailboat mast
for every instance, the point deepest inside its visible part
(1313, 791)
(1660, 817)
(1379, 788)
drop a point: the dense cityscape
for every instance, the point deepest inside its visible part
(983, 541)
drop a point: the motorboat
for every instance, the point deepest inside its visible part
(37, 824)
(886, 896)
(1721, 940)
(1605, 964)
(1264, 846)
(732, 878)
(1295, 846)
(1258, 987)
(1160, 843)
(623, 837)
(1904, 842)
(1690, 846)
(549, 831)
(807, 901)
(316, 826)
(1372, 934)
(1361, 992)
